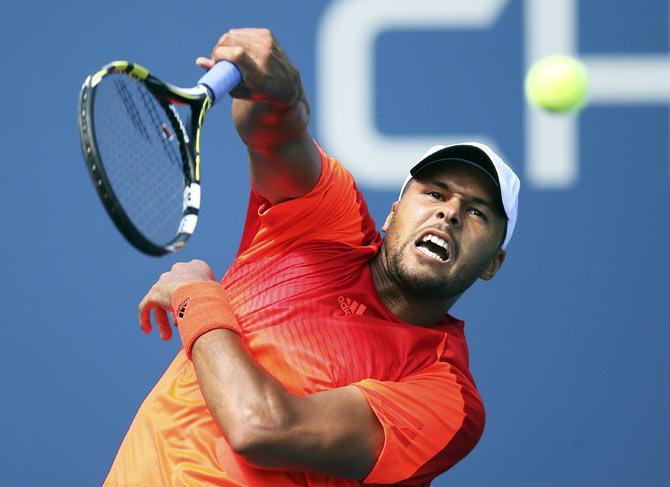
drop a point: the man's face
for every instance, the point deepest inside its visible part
(445, 231)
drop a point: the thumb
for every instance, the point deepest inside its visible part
(204, 62)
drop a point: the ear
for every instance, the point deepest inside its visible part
(494, 266)
(389, 217)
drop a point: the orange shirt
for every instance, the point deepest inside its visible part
(303, 294)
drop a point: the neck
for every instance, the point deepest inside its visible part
(418, 310)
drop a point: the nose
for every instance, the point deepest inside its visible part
(450, 212)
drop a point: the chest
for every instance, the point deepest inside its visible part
(313, 320)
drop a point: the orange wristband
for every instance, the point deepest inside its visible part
(200, 307)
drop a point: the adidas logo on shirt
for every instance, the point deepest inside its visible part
(351, 307)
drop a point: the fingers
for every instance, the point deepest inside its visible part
(249, 50)
(252, 40)
(160, 315)
(153, 302)
(164, 328)
(159, 297)
(237, 55)
(236, 46)
(268, 75)
(144, 312)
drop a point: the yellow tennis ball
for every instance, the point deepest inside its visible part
(557, 84)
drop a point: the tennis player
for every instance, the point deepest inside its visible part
(326, 354)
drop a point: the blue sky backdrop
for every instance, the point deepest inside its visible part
(568, 344)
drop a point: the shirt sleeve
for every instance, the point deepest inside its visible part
(431, 420)
(334, 210)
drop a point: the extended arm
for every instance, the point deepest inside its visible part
(271, 113)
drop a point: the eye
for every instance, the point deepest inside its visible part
(436, 195)
(478, 214)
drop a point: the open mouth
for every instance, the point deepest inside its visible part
(433, 247)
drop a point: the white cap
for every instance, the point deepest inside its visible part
(482, 157)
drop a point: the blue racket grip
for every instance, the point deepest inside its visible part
(222, 78)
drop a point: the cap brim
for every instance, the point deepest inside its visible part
(466, 154)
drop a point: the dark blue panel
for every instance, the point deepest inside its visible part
(623, 27)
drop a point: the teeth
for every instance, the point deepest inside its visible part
(429, 253)
(437, 241)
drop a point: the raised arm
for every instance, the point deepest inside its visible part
(271, 113)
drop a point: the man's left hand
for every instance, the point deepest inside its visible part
(159, 297)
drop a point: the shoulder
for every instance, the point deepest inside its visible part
(431, 420)
(333, 210)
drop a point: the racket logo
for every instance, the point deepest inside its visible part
(166, 133)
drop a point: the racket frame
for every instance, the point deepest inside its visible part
(199, 100)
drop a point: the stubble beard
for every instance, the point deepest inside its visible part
(415, 283)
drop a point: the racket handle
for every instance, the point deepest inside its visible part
(222, 78)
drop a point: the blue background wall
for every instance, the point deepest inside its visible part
(568, 344)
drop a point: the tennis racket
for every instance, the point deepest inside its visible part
(141, 142)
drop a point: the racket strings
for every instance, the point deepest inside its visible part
(165, 135)
(133, 112)
(140, 154)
